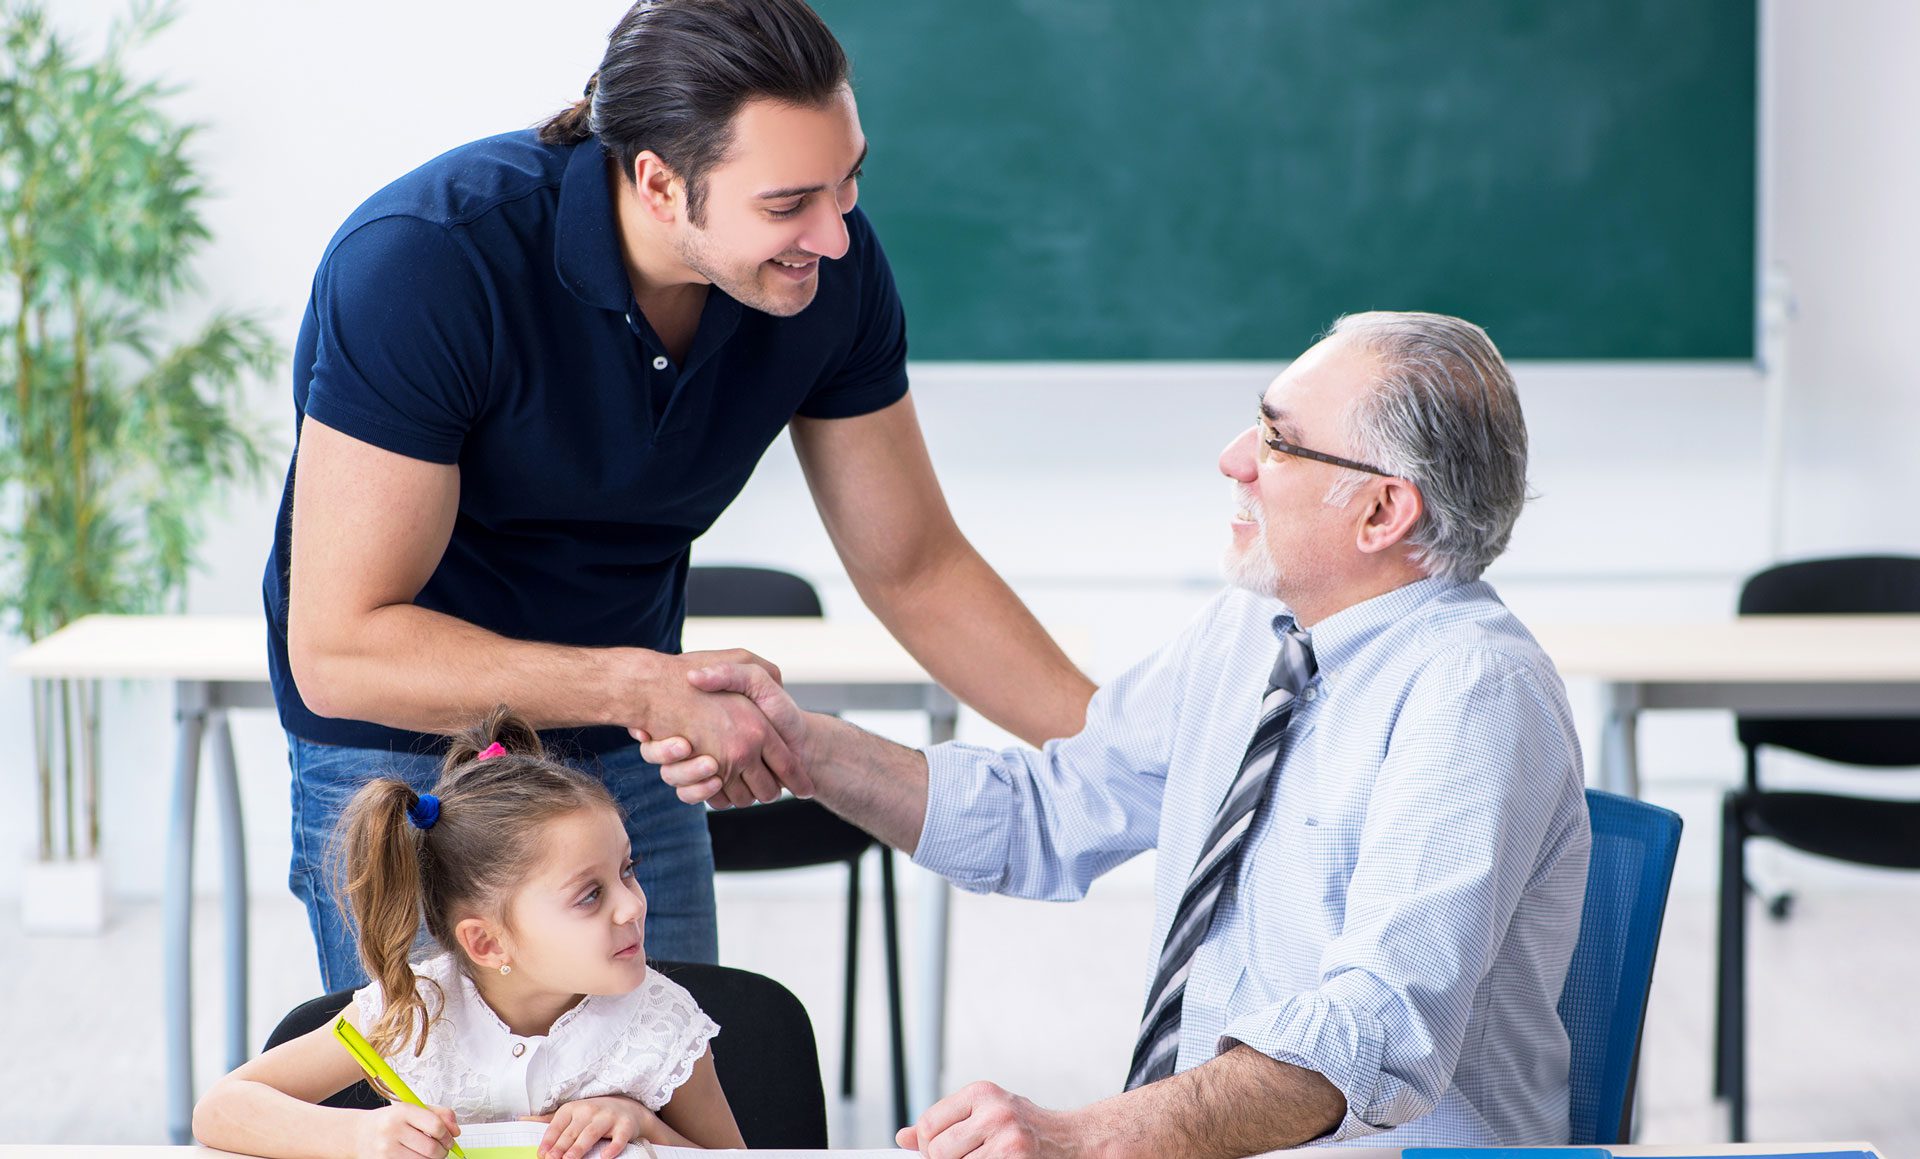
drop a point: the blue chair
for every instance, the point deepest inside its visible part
(1604, 1004)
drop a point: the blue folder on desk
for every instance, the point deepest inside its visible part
(1506, 1153)
(1594, 1154)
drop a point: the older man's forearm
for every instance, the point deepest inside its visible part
(876, 784)
(1241, 1103)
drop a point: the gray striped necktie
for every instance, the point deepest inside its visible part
(1158, 1047)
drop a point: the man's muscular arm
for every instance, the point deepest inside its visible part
(369, 528)
(873, 482)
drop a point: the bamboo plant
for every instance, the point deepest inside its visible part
(115, 434)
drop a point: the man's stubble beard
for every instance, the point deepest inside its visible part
(689, 246)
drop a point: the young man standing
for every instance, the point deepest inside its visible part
(535, 369)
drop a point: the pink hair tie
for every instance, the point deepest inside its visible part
(491, 751)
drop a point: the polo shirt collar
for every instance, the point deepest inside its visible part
(586, 240)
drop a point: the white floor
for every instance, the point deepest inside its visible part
(1042, 1000)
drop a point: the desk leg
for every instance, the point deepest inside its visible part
(933, 897)
(1620, 741)
(177, 919)
(233, 885)
(1620, 773)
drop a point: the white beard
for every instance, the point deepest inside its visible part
(1253, 570)
(1252, 567)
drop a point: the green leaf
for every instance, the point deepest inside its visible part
(115, 442)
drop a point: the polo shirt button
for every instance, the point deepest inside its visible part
(519, 1048)
(660, 362)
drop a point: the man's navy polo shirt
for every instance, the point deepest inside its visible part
(477, 311)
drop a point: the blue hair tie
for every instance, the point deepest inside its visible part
(424, 811)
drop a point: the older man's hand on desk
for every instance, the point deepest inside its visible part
(697, 771)
(988, 1122)
(743, 755)
(1239, 1103)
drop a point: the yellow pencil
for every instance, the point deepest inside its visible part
(383, 1076)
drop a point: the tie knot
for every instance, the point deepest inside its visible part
(1295, 665)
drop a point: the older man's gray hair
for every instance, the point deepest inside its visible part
(1443, 413)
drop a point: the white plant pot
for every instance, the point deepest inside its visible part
(64, 897)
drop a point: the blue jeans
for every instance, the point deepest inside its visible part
(673, 858)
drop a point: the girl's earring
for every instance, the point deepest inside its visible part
(505, 968)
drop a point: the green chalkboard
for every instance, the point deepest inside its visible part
(1218, 179)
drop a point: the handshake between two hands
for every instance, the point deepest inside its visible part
(729, 735)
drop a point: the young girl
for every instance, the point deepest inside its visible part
(540, 1004)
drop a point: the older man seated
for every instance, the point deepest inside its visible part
(1359, 770)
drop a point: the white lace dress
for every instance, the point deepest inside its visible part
(642, 1045)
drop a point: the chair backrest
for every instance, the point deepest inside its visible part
(1847, 585)
(784, 834)
(1604, 1004)
(749, 591)
(311, 1015)
(764, 1055)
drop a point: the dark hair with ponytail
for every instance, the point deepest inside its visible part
(392, 875)
(676, 72)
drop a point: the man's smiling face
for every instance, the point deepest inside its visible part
(776, 206)
(1286, 540)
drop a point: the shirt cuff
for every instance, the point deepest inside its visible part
(1336, 1039)
(369, 428)
(851, 401)
(965, 835)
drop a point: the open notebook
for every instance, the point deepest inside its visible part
(518, 1140)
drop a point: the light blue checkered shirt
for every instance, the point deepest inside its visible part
(1410, 889)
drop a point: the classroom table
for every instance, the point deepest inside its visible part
(1771, 666)
(1637, 1151)
(1758, 665)
(218, 664)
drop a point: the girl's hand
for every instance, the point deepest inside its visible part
(404, 1131)
(577, 1126)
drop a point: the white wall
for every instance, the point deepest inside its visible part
(1093, 489)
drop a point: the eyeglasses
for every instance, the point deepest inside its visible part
(1271, 446)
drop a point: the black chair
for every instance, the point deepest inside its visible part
(790, 833)
(1862, 830)
(764, 1055)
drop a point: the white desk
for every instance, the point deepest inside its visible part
(1779, 666)
(219, 663)
(1638, 1151)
